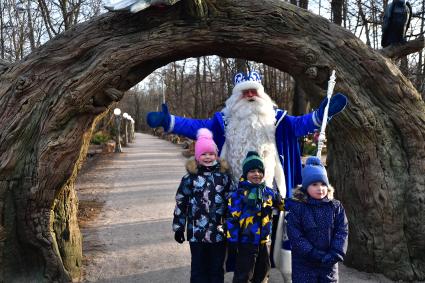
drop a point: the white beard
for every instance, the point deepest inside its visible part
(251, 127)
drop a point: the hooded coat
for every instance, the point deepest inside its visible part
(316, 225)
(201, 202)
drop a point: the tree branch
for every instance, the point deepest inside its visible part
(4, 65)
(396, 51)
(196, 9)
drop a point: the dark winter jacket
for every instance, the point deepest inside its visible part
(201, 202)
(316, 228)
(247, 223)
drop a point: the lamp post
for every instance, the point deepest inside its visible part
(132, 129)
(125, 116)
(117, 113)
(129, 128)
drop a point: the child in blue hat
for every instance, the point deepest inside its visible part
(317, 227)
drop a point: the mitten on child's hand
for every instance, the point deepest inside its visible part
(317, 255)
(179, 237)
(330, 259)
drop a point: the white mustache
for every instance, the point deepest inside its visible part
(243, 107)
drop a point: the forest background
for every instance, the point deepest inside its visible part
(198, 87)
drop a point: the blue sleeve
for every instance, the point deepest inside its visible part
(188, 127)
(299, 242)
(301, 125)
(230, 187)
(340, 237)
(222, 207)
(182, 204)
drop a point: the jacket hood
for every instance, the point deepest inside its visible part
(192, 166)
(299, 194)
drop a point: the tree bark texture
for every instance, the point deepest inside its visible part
(50, 99)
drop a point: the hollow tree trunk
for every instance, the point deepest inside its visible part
(50, 99)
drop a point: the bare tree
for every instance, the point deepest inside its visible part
(336, 6)
(2, 30)
(52, 98)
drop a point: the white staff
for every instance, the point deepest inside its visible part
(322, 136)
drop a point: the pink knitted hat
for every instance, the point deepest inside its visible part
(204, 143)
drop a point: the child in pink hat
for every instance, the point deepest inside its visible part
(205, 148)
(201, 204)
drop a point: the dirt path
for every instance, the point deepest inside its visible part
(127, 202)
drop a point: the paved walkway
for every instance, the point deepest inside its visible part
(131, 240)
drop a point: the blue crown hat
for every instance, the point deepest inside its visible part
(313, 171)
(250, 76)
(250, 80)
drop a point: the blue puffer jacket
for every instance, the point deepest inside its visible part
(316, 228)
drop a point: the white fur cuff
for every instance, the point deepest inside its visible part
(172, 123)
(316, 120)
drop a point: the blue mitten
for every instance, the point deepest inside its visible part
(317, 255)
(337, 104)
(159, 119)
(330, 259)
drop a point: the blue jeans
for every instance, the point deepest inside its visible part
(207, 262)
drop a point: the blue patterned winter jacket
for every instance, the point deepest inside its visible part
(201, 202)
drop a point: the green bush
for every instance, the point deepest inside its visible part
(99, 138)
(309, 149)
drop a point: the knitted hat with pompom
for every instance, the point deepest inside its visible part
(204, 143)
(252, 161)
(313, 171)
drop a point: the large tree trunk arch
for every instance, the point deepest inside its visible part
(51, 99)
